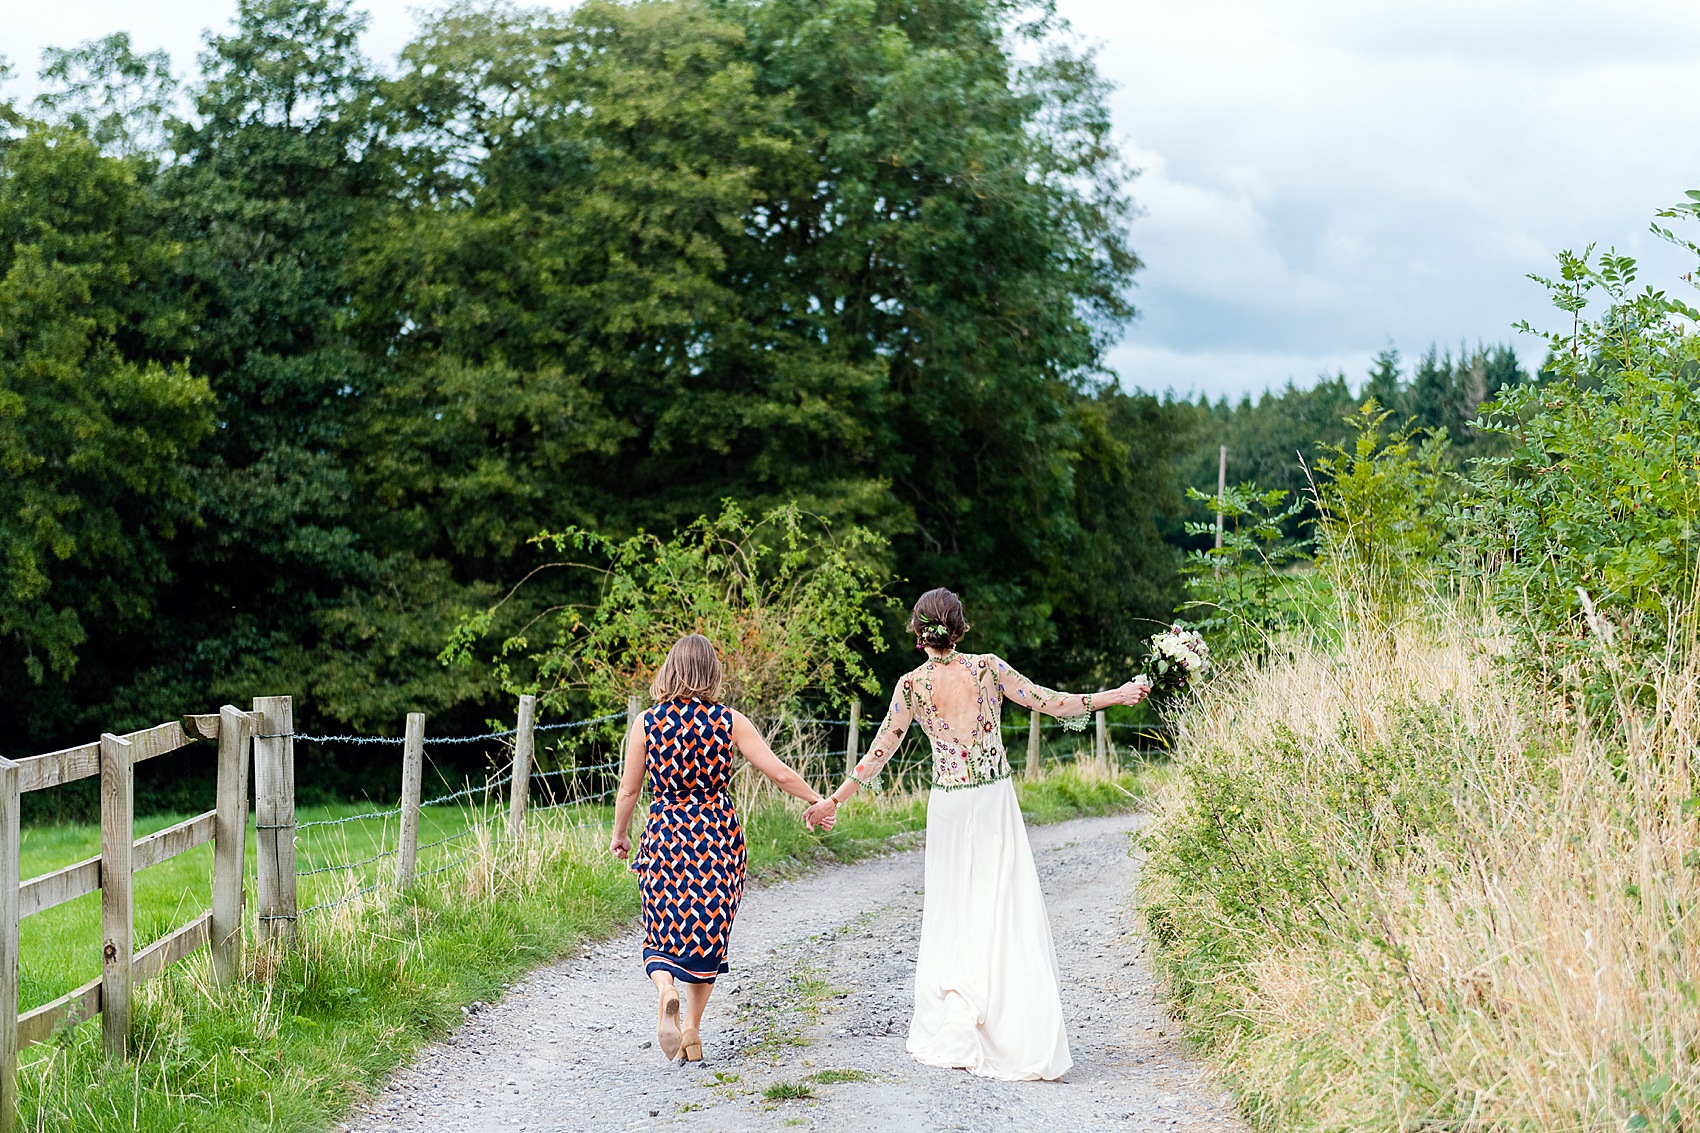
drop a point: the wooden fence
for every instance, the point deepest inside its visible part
(267, 731)
(122, 856)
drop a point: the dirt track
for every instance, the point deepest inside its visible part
(818, 997)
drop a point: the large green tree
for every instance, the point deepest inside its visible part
(96, 420)
(851, 255)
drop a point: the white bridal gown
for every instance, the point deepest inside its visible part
(987, 996)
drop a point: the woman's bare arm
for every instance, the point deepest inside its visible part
(749, 741)
(631, 785)
(886, 742)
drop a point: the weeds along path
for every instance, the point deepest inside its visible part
(807, 1030)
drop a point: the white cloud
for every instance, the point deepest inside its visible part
(1323, 176)
(1228, 373)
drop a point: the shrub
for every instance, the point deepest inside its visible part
(782, 598)
(1242, 592)
(1601, 489)
(1380, 531)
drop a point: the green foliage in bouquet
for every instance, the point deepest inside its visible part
(1245, 593)
(1601, 489)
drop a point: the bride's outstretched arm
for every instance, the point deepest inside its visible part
(1021, 691)
(892, 730)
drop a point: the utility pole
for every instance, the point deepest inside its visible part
(1221, 493)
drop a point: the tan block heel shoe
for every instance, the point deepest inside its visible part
(667, 1035)
(690, 1045)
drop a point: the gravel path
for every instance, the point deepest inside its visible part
(818, 998)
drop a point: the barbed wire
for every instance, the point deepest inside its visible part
(451, 838)
(378, 857)
(346, 739)
(333, 904)
(349, 818)
(581, 723)
(571, 770)
(502, 735)
(462, 860)
(467, 792)
(586, 801)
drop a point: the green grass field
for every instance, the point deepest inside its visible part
(60, 948)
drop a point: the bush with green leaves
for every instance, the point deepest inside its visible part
(1601, 489)
(784, 598)
(1380, 532)
(1244, 592)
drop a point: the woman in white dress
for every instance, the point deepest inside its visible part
(987, 998)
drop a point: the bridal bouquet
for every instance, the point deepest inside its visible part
(1177, 657)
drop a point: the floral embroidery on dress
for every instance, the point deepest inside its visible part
(982, 758)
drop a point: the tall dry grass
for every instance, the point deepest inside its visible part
(1394, 888)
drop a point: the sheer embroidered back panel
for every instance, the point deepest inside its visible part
(966, 731)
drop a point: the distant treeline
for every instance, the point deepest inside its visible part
(296, 358)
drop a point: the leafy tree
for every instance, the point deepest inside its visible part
(102, 88)
(1243, 591)
(781, 597)
(272, 181)
(1386, 383)
(93, 442)
(854, 256)
(1380, 533)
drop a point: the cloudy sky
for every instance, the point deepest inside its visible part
(1319, 178)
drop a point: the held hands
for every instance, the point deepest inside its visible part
(822, 815)
(621, 846)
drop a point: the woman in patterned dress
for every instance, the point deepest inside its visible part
(987, 995)
(690, 860)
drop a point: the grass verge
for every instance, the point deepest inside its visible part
(1397, 889)
(318, 1026)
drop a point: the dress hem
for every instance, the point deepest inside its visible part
(654, 961)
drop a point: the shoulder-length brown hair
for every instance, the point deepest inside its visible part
(692, 669)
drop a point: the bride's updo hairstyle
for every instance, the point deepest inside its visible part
(692, 669)
(937, 620)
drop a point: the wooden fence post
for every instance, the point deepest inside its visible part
(11, 850)
(1101, 741)
(519, 789)
(853, 740)
(117, 889)
(274, 814)
(412, 778)
(230, 842)
(1035, 757)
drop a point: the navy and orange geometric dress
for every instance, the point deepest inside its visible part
(691, 860)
